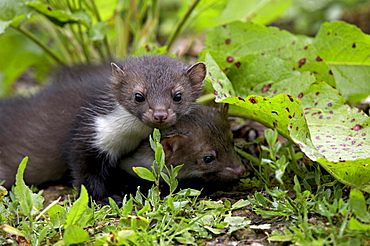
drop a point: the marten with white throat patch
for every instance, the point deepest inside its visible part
(91, 115)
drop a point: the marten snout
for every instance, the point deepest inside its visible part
(238, 172)
(160, 116)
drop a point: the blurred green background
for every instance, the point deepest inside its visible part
(36, 35)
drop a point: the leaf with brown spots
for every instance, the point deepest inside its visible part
(252, 39)
(275, 62)
(269, 112)
(348, 56)
(340, 136)
(216, 81)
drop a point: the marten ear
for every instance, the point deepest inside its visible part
(116, 70)
(197, 72)
(172, 143)
(223, 110)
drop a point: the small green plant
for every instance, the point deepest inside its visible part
(272, 150)
(159, 169)
(327, 216)
(276, 158)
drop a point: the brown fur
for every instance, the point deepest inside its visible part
(203, 133)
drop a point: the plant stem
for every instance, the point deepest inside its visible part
(36, 41)
(180, 24)
(205, 98)
(294, 160)
(83, 43)
(148, 30)
(75, 49)
(98, 18)
(81, 35)
(248, 156)
(292, 153)
(200, 11)
(59, 37)
(122, 29)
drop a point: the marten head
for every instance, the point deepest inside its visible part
(157, 89)
(203, 142)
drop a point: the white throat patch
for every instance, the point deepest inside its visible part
(119, 132)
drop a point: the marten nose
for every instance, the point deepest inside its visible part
(241, 172)
(238, 172)
(160, 116)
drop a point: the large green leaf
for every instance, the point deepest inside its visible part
(106, 8)
(22, 54)
(260, 74)
(258, 11)
(30, 203)
(74, 235)
(347, 51)
(229, 43)
(4, 25)
(60, 17)
(339, 132)
(12, 8)
(212, 13)
(78, 214)
(275, 112)
(251, 61)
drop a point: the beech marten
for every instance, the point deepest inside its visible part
(91, 115)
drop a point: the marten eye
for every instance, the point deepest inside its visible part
(139, 98)
(177, 98)
(208, 159)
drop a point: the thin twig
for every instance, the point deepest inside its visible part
(248, 156)
(180, 24)
(105, 40)
(36, 41)
(82, 35)
(206, 98)
(83, 43)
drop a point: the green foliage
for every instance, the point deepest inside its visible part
(276, 158)
(20, 53)
(358, 206)
(182, 218)
(306, 17)
(74, 234)
(3, 192)
(261, 12)
(327, 204)
(286, 82)
(345, 49)
(295, 84)
(77, 213)
(68, 32)
(142, 220)
(159, 169)
(30, 203)
(57, 216)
